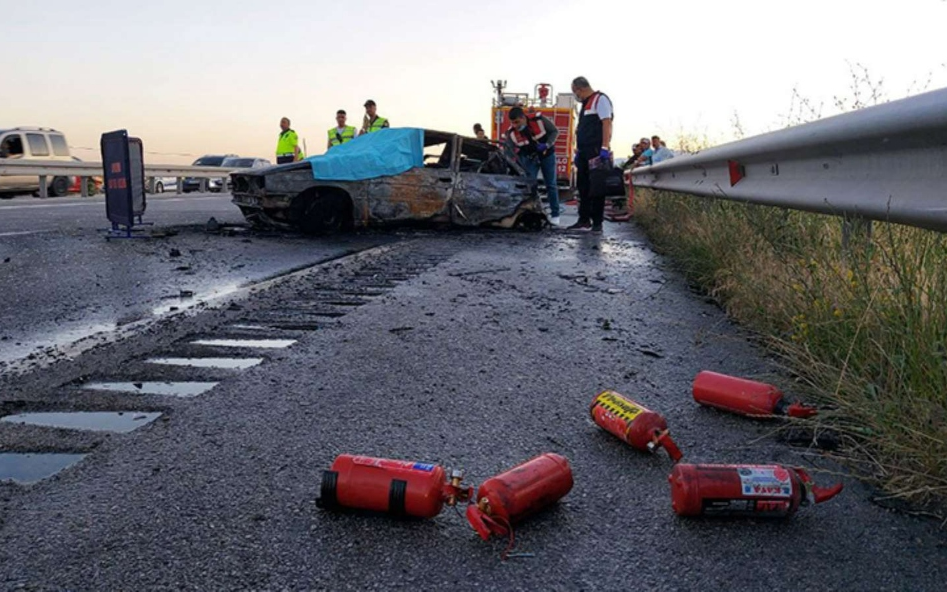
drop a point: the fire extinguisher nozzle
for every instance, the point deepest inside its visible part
(824, 494)
(801, 411)
(664, 440)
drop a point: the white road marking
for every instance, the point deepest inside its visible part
(22, 232)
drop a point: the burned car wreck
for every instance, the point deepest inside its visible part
(393, 177)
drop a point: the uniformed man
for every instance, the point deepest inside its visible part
(341, 133)
(372, 122)
(532, 138)
(287, 147)
(593, 140)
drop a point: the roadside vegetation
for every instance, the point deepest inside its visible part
(861, 327)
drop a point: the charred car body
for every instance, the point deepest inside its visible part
(453, 181)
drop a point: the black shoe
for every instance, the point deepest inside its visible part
(596, 228)
(580, 225)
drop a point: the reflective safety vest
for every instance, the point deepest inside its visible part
(336, 138)
(287, 143)
(534, 133)
(377, 125)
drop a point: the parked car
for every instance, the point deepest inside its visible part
(463, 181)
(208, 160)
(162, 184)
(33, 143)
(241, 162)
(94, 183)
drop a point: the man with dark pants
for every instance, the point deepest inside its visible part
(533, 140)
(593, 140)
(287, 146)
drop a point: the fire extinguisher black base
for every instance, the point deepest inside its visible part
(327, 499)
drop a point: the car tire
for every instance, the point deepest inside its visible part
(324, 214)
(159, 187)
(59, 187)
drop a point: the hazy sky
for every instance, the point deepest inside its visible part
(215, 77)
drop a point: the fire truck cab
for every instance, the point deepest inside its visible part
(558, 108)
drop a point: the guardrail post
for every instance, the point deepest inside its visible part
(152, 183)
(84, 186)
(203, 186)
(179, 186)
(43, 190)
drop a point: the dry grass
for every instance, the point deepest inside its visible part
(863, 329)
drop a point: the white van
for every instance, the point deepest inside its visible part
(33, 143)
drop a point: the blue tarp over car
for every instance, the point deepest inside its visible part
(380, 154)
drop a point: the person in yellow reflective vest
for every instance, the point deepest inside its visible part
(342, 133)
(372, 122)
(287, 146)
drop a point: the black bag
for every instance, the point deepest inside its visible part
(607, 182)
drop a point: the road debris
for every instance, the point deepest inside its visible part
(174, 253)
(633, 424)
(517, 494)
(757, 491)
(479, 272)
(396, 487)
(745, 397)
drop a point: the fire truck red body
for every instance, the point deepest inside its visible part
(559, 109)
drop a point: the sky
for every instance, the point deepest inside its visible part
(193, 78)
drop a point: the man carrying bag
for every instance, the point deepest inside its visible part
(593, 143)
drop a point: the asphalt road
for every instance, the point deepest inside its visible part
(61, 281)
(475, 350)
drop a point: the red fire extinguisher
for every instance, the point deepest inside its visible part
(632, 423)
(397, 487)
(509, 497)
(745, 397)
(762, 491)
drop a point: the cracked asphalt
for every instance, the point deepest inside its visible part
(474, 350)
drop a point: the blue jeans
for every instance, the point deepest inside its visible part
(533, 165)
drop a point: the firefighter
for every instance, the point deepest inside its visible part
(372, 122)
(287, 146)
(342, 133)
(533, 139)
(593, 139)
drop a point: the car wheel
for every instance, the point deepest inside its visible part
(159, 187)
(59, 187)
(325, 214)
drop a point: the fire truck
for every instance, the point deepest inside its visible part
(559, 109)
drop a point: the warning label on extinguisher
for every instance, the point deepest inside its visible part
(765, 481)
(384, 463)
(618, 405)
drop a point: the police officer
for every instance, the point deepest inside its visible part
(372, 122)
(532, 138)
(341, 133)
(593, 139)
(287, 147)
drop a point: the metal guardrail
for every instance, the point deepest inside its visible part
(886, 163)
(53, 168)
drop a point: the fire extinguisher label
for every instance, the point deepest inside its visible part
(618, 406)
(765, 481)
(385, 463)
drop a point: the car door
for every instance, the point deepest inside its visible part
(421, 194)
(13, 149)
(481, 196)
